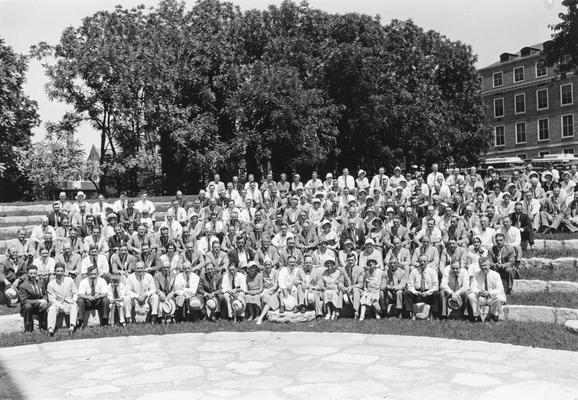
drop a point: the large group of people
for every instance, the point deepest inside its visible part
(427, 245)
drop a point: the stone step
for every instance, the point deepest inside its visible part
(547, 244)
(538, 286)
(32, 220)
(550, 315)
(45, 208)
(549, 263)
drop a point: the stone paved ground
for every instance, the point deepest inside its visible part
(270, 365)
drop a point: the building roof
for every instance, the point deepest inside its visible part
(94, 154)
(511, 57)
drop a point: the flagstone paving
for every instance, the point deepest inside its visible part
(295, 365)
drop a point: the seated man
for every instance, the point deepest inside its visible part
(70, 260)
(234, 287)
(120, 301)
(503, 260)
(353, 283)
(11, 268)
(486, 290)
(454, 290)
(395, 284)
(34, 300)
(140, 286)
(210, 287)
(287, 288)
(164, 282)
(97, 261)
(422, 287)
(62, 298)
(93, 295)
(185, 288)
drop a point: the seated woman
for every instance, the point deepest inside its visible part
(254, 290)
(269, 297)
(331, 285)
(371, 289)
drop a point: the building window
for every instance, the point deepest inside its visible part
(500, 135)
(542, 99)
(541, 70)
(543, 153)
(566, 96)
(568, 125)
(499, 107)
(543, 129)
(518, 74)
(481, 81)
(522, 156)
(498, 79)
(520, 132)
(520, 103)
(568, 151)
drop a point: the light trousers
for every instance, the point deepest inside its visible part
(494, 304)
(62, 308)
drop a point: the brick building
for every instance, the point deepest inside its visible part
(531, 109)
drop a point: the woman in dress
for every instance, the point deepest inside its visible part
(269, 297)
(331, 285)
(371, 289)
(254, 290)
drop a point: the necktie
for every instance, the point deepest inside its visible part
(115, 292)
(92, 288)
(167, 284)
(187, 280)
(456, 283)
(36, 290)
(486, 282)
(140, 287)
(422, 281)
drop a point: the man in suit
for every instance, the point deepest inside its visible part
(24, 247)
(454, 290)
(503, 260)
(353, 282)
(122, 263)
(422, 287)
(356, 235)
(457, 232)
(129, 215)
(62, 297)
(291, 251)
(217, 257)
(524, 223)
(34, 299)
(55, 216)
(394, 284)
(164, 282)
(486, 290)
(140, 286)
(241, 254)
(11, 268)
(70, 260)
(116, 240)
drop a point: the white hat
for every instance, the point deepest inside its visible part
(389, 209)
(237, 306)
(361, 172)
(369, 241)
(168, 307)
(316, 200)
(80, 193)
(195, 303)
(289, 302)
(329, 175)
(325, 222)
(11, 293)
(141, 312)
(211, 304)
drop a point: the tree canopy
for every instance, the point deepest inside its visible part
(17, 118)
(563, 48)
(177, 94)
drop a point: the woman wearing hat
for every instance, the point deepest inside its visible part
(269, 297)
(362, 183)
(371, 289)
(254, 291)
(331, 284)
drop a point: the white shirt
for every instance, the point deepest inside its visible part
(144, 286)
(180, 284)
(512, 236)
(344, 181)
(145, 205)
(100, 286)
(286, 278)
(101, 264)
(44, 268)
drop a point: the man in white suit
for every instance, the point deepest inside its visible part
(486, 290)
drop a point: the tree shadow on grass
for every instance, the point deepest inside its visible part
(8, 388)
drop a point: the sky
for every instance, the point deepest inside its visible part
(491, 27)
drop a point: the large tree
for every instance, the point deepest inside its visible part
(18, 115)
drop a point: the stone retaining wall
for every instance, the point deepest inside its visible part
(549, 263)
(544, 244)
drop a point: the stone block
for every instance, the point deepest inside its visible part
(565, 263)
(529, 286)
(290, 317)
(572, 325)
(563, 287)
(571, 244)
(39, 208)
(530, 313)
(566, 314)
(13, 230)
(21, 220)
(535, 263)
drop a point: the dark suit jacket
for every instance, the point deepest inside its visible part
(126, 218)
(348, 234)
(234, 255)
(11, 270)
(525, 222)
(55, 220)
(27, 292)
(160, 283)
(114, 242)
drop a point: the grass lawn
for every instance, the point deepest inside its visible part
(556, 236)
(9, 310)
(550, 274)
(518, 333)
(568, 300)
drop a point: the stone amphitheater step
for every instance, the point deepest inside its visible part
(550, 315)
(33, 220)
(546, 244)
(538, 286)
(549, 263)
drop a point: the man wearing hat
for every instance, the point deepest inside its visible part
(371, 289)
(454, 290)
(142, 291)
(164, 282)
(422, 287)
(11, 268)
